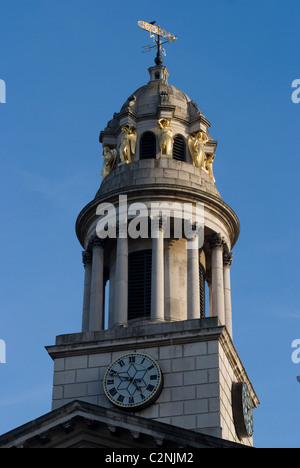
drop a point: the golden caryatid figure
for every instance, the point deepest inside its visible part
(109, 156)
(128, 143)
(165, 138)
(196, 146)
(209, 164)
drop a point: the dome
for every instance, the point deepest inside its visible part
(146, 100)
(158, 121)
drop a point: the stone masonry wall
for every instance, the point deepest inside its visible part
(197, 383)
(190, 397)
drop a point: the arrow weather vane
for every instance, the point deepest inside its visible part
(159, 33)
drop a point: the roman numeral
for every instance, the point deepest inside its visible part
(113, 391)
(131, 358)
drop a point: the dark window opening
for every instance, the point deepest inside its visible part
(179, 148)
(139, 284)
(148, 146)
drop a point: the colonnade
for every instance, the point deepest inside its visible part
(219, 283)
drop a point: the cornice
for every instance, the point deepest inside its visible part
(213, 204)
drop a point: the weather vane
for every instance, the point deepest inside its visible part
(156, 33)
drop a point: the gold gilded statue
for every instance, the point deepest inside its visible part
(165, 138)
(196, 146)
(109, 156)
(209, 165)
(128, 143)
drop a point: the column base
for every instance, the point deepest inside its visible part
(156, 321)
(120, 325)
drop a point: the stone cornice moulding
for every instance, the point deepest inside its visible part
(213, 204)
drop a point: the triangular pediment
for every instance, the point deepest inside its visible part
(83, 425)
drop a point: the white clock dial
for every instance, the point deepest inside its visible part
(133, 381)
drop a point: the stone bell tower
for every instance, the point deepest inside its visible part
(156, 337)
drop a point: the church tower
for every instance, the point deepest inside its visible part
(157, 239)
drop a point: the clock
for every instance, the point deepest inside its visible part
(133, 381)
(242, 410)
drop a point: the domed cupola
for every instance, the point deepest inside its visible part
(159, 121)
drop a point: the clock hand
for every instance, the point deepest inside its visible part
(121, 377)
(124, 377)
(137, 385)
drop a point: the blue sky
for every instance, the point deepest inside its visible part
(68, 66)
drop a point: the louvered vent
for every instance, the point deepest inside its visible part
(202, 290)
(148, 146)
(139, 284)
(179, 148)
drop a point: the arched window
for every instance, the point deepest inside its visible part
(179, 148)
(148, 146)
(139, 284)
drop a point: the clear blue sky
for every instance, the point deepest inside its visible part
(68, 66)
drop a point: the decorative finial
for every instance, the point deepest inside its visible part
(159, 33)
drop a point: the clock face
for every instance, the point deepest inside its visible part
(133, 381)
(247, 409)
(242, 409)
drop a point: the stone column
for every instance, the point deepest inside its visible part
(227, 292)
(121, 284)
(87, 263)
(193, 290)
(218, 306)
(96, 320)
(158, 278)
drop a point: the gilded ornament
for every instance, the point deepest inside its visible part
(109, 156)
(128, 143)
(196, 146)
(209, 165)
(165, 138)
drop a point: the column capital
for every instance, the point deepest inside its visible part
(227, 258)
(217, 240)
(95, 241)
(159, 226)
(86, 258)
(159, 221)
